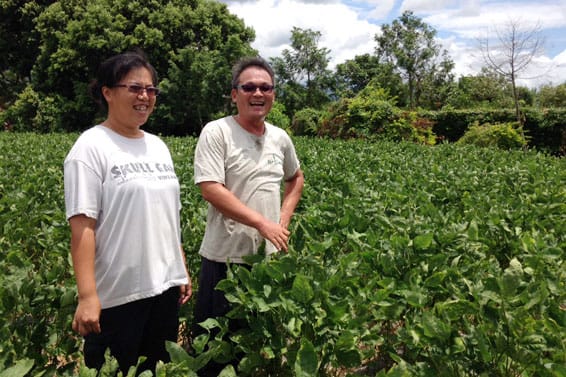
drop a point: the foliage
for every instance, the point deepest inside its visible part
(302, 74)
(427, 261)
(354, 75)
(501, 135)
(191, 44)
(372, 114)
(485, 90)
(371, 111)
(306, 122)
(18, 46)
(546, 127)
(409, 46)
(34, 112)
(549, 96)
(408, 261)
(277, 117)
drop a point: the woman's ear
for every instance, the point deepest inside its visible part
(106, 93)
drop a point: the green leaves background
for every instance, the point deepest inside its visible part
(404, 260)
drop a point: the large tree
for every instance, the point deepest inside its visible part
(512, 52)
(192, 44)
(552, 96)
(486, 89)
(409, 45)
(354, 75)
(303, 79)
(19, 45)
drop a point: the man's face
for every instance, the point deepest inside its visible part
(255, 94)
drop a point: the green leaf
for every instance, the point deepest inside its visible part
(178, 354)
(434, 327)
(20, 369)
(423, 241)
(511, 279)
(306, 364)
(301, 289)
(228, 371)
(414, 298)
(347, 352)
(473, 232)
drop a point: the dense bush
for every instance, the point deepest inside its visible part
(372, 114)
(306, 122)
(501, 135)
(546, 128)
(35, 112)
(277, 117)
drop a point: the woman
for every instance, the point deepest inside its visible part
(122, 201)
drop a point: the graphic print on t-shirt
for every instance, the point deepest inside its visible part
(142, 170)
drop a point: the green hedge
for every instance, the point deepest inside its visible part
(545, 128)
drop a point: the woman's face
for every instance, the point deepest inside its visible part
(127, 107)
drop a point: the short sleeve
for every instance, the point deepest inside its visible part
(210, 155)
(83, 190)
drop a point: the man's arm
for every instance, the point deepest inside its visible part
(230, 206)
(291, 197)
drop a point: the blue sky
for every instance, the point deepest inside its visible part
(348, 27)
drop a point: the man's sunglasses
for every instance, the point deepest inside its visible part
(151, 91)
(251, 88)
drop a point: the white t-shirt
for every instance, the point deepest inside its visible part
(129, 186)
(252, 168)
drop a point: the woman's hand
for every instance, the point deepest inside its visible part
(87, 316)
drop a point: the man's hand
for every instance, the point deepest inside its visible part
(276, 234)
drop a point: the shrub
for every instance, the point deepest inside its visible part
(335, 122)
(501, 135)
(34, 112)
(277, 116)
(306, 122)
(409, 127)
(370, 111)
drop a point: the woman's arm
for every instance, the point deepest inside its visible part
(87, 314)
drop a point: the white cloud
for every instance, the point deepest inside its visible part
(380, 9)
(418, 6)
(348, 27)
(343, 32)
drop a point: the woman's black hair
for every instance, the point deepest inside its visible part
(114, 69)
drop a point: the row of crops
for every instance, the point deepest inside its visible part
(405, 260)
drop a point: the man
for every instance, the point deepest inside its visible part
(240, 162)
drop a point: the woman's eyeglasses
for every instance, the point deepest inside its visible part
(151, 91)
(251, 88)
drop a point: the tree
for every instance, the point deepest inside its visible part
(552, 96)
(302, 74)
(486, 89)
(19, 45)
(354, 75)
(192, 44)
(515, 48)
(408, 45)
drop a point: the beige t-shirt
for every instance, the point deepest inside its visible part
(252, 168)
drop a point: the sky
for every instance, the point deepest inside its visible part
(348, 28)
